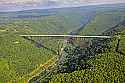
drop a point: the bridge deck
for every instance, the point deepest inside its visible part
(73, 36)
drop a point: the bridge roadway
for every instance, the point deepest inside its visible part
(72, 36)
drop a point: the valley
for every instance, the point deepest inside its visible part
(37, 59)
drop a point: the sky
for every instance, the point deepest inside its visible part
(13, 5)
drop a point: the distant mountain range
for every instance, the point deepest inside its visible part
(53, 11)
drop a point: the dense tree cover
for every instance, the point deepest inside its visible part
(100, 55)
(18, 57)
(107, 66)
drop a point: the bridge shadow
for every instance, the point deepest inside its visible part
(39, 45)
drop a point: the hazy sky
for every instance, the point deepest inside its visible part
(6, 5)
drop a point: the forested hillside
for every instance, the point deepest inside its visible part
(104, 20)
(21, 57)
(18, 57)
(102, 60)
(107, 66)
(36, 59)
